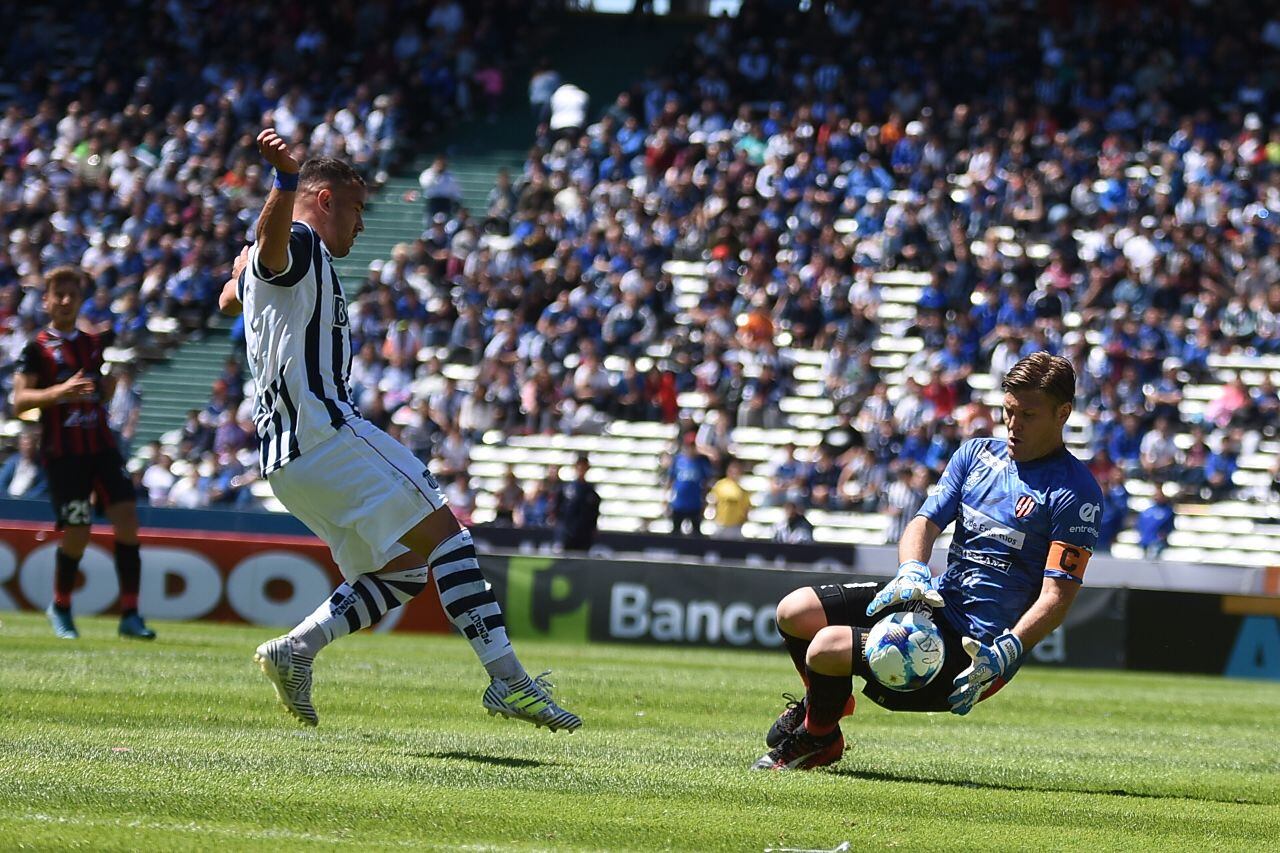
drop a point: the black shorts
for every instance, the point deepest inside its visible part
(73, 480)
(846, 604)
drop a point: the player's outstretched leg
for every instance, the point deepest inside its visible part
(287, 661)
(817, 740)
(470, 604)
(800, 616)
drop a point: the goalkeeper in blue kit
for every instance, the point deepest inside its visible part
(1026, 513)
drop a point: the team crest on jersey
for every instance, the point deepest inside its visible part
(339, 310)
(1025, 506)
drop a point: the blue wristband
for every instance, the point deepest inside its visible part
(286, 182)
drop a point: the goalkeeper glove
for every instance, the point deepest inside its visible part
(998, 660)
(910, 584)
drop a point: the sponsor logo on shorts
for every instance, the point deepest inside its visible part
(982, 524)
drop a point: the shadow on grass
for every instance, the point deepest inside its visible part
(497, 760)
(880, 776)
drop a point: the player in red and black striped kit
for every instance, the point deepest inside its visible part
(60, 373)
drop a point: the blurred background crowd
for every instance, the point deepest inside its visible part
(1099, 180)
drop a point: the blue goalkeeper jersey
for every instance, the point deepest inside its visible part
(1008, 515)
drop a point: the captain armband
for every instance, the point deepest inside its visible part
(1071, 559)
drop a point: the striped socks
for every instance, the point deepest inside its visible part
(465, 595)
(357, 605)
(470, 604)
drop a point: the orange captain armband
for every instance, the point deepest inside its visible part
(1068, 558)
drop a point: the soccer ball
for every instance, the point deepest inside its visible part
(904, 651)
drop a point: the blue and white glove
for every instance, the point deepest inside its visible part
(989, 663)
(910, 584)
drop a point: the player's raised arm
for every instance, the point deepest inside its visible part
(277, 213)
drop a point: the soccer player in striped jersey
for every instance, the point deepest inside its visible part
(1026, 514)
(367, 496)
(60, 373)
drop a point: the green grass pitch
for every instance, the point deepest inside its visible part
(107, 744)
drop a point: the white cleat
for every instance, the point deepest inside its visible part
(290, 672)
(529, 699)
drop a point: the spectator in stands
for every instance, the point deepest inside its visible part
(730, 502)
(714, 437)
(190, 491)
(441, 192)
(1231, 402)
(579, 510)
(453, 454)
(125, 407)
(1125, 446)
(501, 203)
(158, 480)
(1220, 469)
(1115, 509)
(1125, 232)
(195, 437)
(688, 478)
(1159, 453)
(508, 500)
(542, 84)
(568, 111)
(786, 474)
(229, 484)
(22, 475)
(861, 481)
(1155, 523)
(541, 501)
(902, 498)
(794, 527)
(822, 480)
(462, 497)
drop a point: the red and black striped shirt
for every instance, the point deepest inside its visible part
(68, 429)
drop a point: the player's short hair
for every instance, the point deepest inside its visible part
(67, 273)
(320, 172)
(1041, 371)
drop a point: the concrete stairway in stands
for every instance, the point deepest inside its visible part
(171, 388)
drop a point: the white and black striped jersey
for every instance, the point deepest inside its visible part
(299, 347)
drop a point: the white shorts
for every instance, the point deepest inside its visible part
(359, 490)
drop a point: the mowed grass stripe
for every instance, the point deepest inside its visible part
(180, 745)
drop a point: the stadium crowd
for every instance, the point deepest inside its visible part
(1098, 180)
(1102, 183)
(140, 164)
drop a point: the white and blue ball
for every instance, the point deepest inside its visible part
(905, 651)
